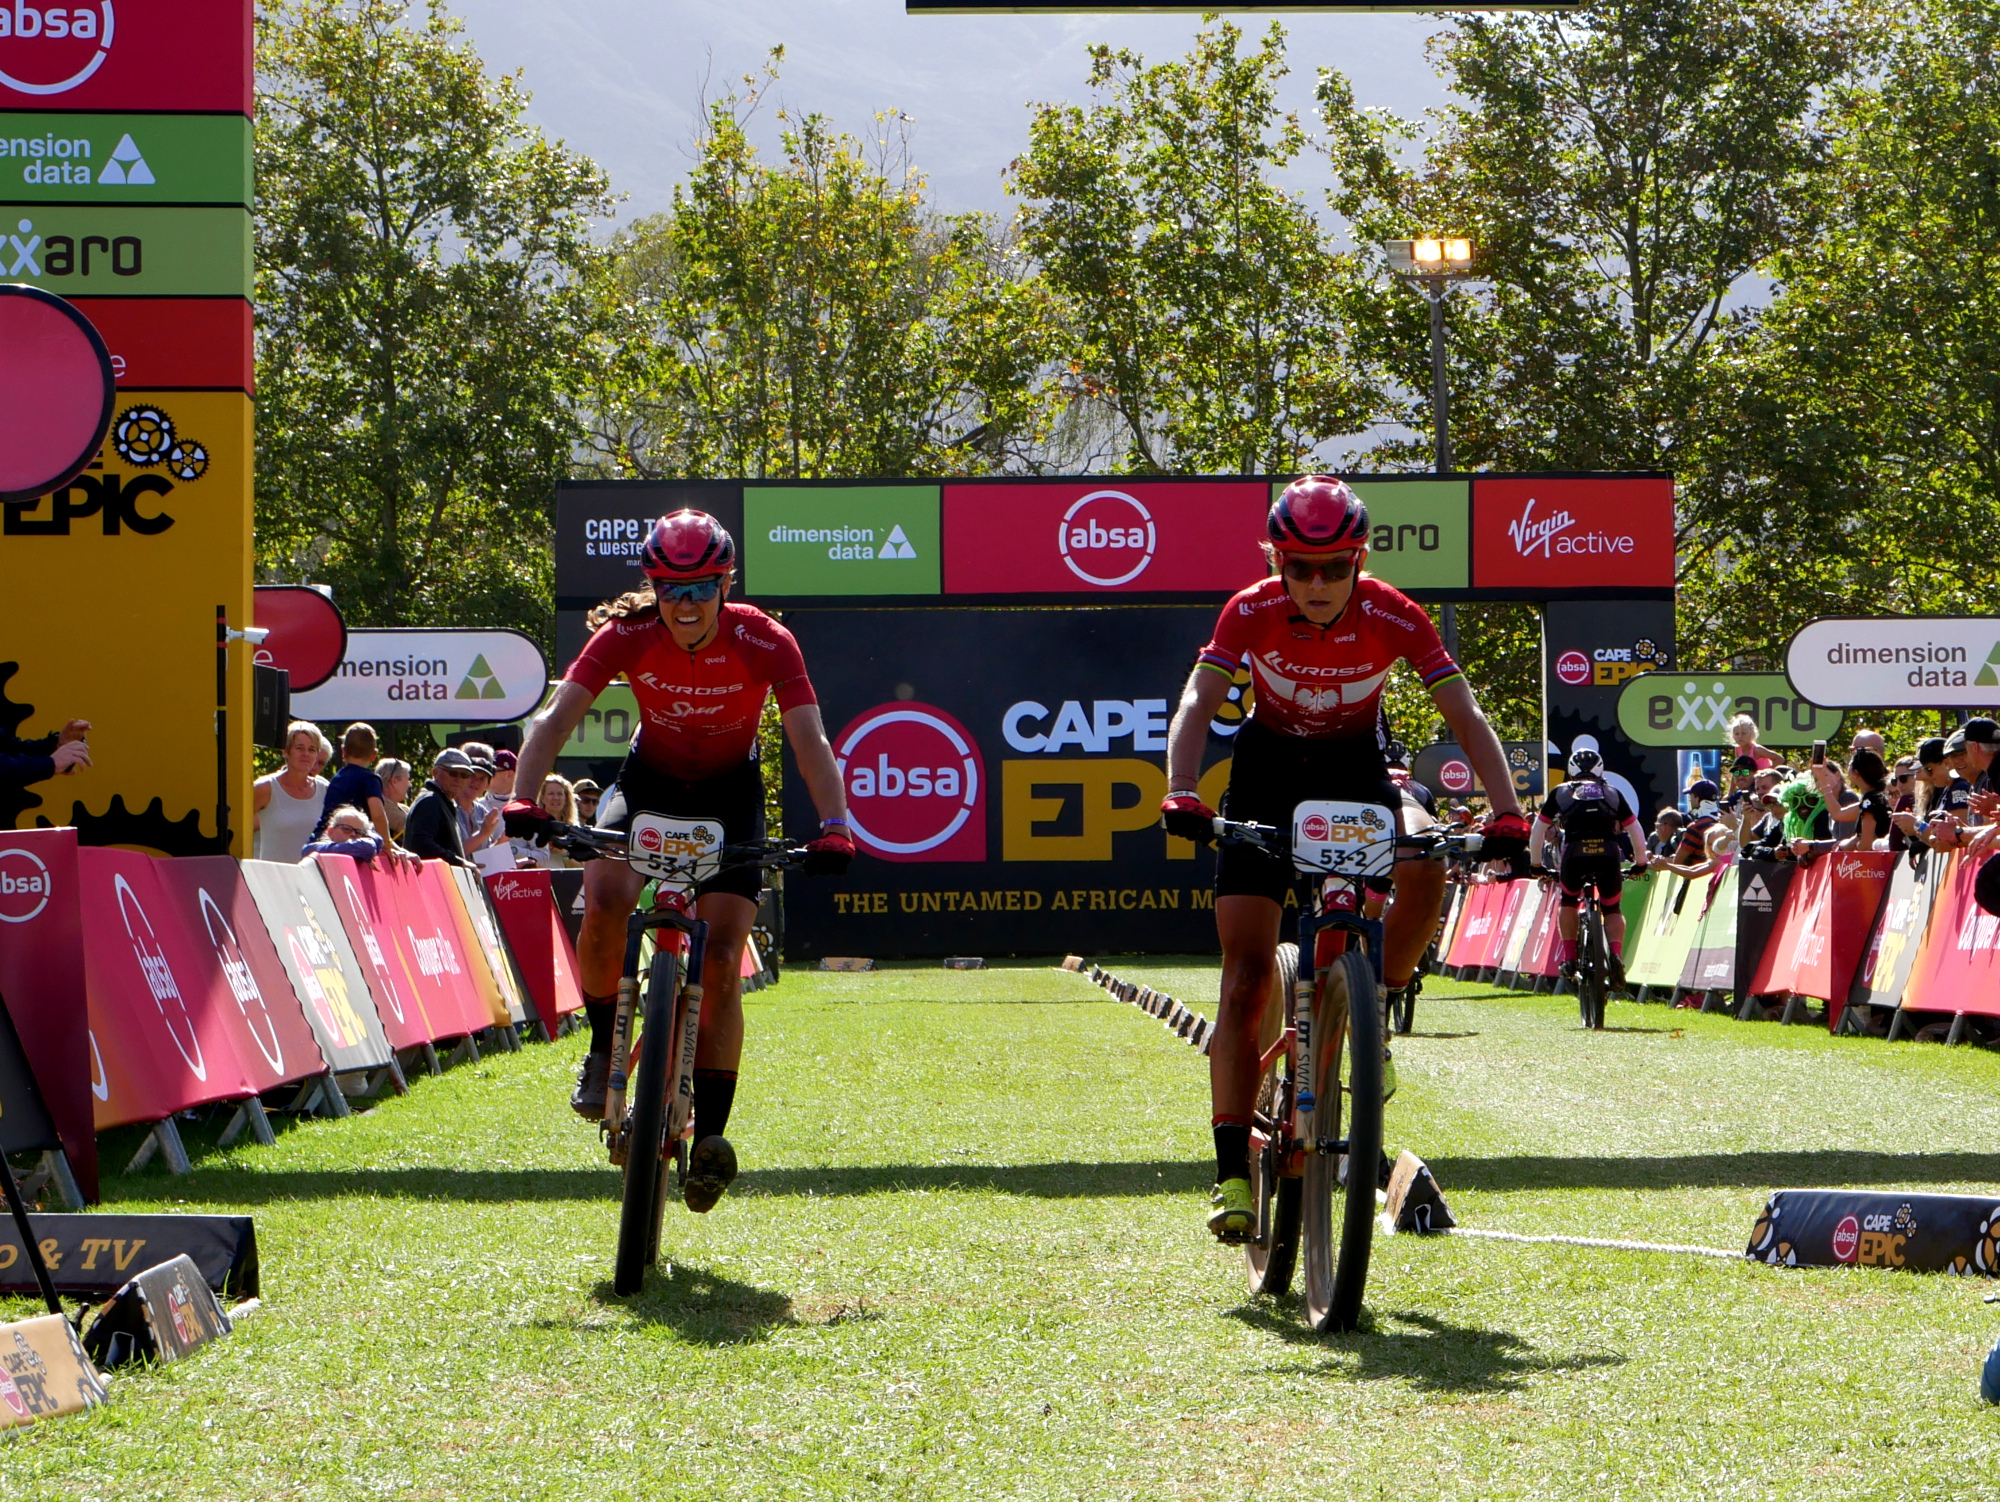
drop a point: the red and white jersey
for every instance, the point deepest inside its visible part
(1325, 680)
(698, 711)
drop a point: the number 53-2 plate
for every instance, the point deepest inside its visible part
(682, 852)
(1343, 839)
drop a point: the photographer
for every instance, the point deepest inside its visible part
(1869, 780)
(56, 754)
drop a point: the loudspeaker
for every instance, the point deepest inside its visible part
(270, 705)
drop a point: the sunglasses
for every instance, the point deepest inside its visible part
(700, 591)
(346, 831)
(1305, 570)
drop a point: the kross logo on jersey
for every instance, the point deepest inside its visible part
(916, 784)
(1107, 538)
(51, 50)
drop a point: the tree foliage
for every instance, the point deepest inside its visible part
(426, 319)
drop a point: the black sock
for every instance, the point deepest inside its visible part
(602, 1017)
(714, 1094)
(1232, 1149)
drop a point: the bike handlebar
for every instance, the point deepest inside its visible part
(588, 843)
(1428, 844)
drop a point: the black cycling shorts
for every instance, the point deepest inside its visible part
(1270, 776)
(735, 799)
(1602, 869)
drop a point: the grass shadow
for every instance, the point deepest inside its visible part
(1431, 1354)
(1717, 1171)
(1445, 1036)
(700, 1306)
(1037, 1180)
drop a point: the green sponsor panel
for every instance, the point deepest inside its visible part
(1419, 531)
(125, 159)
(605, 731)
(1670, 931)
(126, 252)
(1711, 961)
(1693, 710)
(842, 539)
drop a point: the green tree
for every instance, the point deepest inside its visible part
(817, 317)
(1863, 447)
(426, 317)
(1204, 310)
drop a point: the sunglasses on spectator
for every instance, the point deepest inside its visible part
(346, 831)
(700, 591)
(1305, 570)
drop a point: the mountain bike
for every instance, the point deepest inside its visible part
(653, 1118)
(1593, 953)
(1325, 1069)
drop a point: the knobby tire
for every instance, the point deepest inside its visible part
(638, 1216)
(1593, 969)
(1277, 1199)
(1347, 1019)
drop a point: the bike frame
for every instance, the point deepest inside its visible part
(678, 934)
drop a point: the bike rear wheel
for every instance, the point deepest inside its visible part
(1346, 1022)
(1273, 1255)
(645, 1173)
(1593, 969)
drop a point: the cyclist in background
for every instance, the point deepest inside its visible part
(701, 668)
(1592, 817)
(1320, 637)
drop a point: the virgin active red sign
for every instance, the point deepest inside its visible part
(916, 784)
(126, 55)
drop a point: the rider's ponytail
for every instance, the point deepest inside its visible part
(631, 605)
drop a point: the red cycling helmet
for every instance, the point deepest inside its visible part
(1318, 514)
(687, 544)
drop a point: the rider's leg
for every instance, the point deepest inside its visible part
(1566, 926)
(719, 1049)
(1248, 928)
(1413, 919)
(610, 888)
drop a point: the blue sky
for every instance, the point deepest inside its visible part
(620, 79)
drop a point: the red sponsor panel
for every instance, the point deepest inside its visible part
(1506, 912)
(157, 1032)
(1475, 924)
(1539, 959)
(526, 904)
(448, 911)
(1095, 537)
(308, 633)
(1804, 904)
(1856, 884)
(1580, 533)
(273, 1042)
(371, 930)
(160, 343)
(1958, 967)
(126, 55)
(916, 784)
(42, 982)
(429, 940)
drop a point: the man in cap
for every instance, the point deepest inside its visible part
(431, 830)
(587, 793)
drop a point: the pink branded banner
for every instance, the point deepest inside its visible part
(266, 1022)
(1824, 927)
(42, 982)
(1958, 967)
(368, 913)
(447, 963)
(305, 928)
(1506, 910)
(160, 1041)
(1539, 959)
(526, 904)
(1475, 928)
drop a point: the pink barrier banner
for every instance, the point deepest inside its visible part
(371, 929)
(427, 934)
(1539, 959)
(305, 929)
(1506, 910)
(1824, 928)
(1958, 967)
(42, 982)
(159, 1044)
(526, 904)
(1475, 925)
(479, 1000)
(486, 932)
(267, 1023)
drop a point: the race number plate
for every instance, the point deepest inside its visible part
(680, 852)
(1343, 839)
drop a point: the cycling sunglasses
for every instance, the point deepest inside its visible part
(700, 591)
(1302, 570)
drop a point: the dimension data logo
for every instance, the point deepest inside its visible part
(850, 543)
(53, 50)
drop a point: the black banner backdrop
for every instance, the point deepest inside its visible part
(600, 526)
(95, 1255)
(1590, 649)
(1760, 894)
(1919, 1233)
(25, 1123)
(1004, 770)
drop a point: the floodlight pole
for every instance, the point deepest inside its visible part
(1435, 289)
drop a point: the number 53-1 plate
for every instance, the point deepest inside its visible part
(682, 852)
(1343, 839)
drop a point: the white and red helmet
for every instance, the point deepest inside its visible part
(1318, 514)
(687, 544)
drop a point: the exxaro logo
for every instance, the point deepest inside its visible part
(52, 50)
(1553, 536)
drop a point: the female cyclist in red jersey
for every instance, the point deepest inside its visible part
(1320, 638)
(700, 667)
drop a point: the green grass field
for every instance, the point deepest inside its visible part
(966, 1260)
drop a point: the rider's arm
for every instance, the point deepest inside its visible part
(815, 758)
(1635, 835)
(1538, 839)
(1206, 690)
(547, 732)
(1476, 738)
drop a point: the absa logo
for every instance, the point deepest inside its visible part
(1846, 1238)
(52, 50)
(25, 886)
(916, 784)
(1315, 827)
(1573, 668)
(1107, 538)
(158, 974)
(1456, 776)
(650, 840)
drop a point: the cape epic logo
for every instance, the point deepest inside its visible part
(916, 785)
(52, 50)
(25, 886)
(1107, 538)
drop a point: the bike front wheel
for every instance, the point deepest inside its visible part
(1593, 971)
(639, 1215)
(1273, 1253)
(1338, 1229)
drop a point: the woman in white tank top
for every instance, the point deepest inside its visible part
(288, 803)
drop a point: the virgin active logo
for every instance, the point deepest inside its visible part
(25, 886)
(1107, 538)
(916, 784)
(53, 50)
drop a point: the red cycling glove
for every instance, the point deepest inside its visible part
(1187, 817)
(1506, 836)
(523, 816)
(829, 854)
